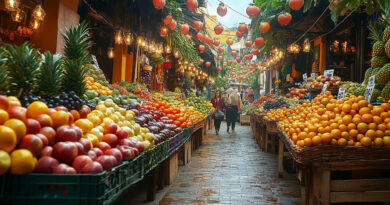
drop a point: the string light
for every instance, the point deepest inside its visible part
(128, 39)
(110, 53)
(17, 15)
(118, 37)
(306, 45)
(35, 24)
(39, 13)
(11, 5)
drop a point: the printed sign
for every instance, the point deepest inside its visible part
(329, 73)
(341, 94)
(95, 63)
(304, 76)
(313, 75)
(324, 88)
(370, 88)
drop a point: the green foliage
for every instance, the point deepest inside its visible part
(3, 71)
(221, 83)
(50, 79)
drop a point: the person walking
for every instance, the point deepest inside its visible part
(233, 105)
(218, 114)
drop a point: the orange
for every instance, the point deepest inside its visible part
(386, 106)
(307, 142)
(370, 133)
(22, 161)
(5, 162)
(345, 134)
(330, 106)
(342, 142)
(386, 140)
(379, 133)
(356, 120)
(378, 142)
(384, 115)
(3, 116)
(353, 133)
(311, 135)
(377, 110)
(316, 140)
(36, 108)
(358, 144)
(346, 108)
(364, 110)
(355, 106)
(366, 141)
(367, 118)
(334, 125)
(294, 138)
(351, 126)
(336, 133)
(18, 126)
(326, 138)
(8, 138)
(362, 127)
(359, 137)
(372, 126)
(350, 143)
(334, 142)
(382, 127)
(362, 103)
(377, 119)
(300, 143)
(324, 101)
(321, 130)
(60, 118)
(387, 132)
(343, 127)
(347, 119)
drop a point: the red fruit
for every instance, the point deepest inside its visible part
(199, 36)
(44, 139)
(18, 113)
(284, 19)
(217, 42)
(104, 146)
(86, 144)
(135, 151)
(92, 168)
(67, 133)
(32, 143)
(122, 133)
(33, 126)
(110, 128)
(242, 28)
(107, 161)
(192, 4)
(188, 37)
(221, 49)
(239, 34)
(252, 10)
(218, 29)
(127, 152)
(46, 165)
(207, 64)
(51, 111)
(80, 148)
(116, 153)
(75, 114)
(172, 25)
(198, 25)
(159, 4)
(219, 68)
(201, 48)
(71, 118)
(98, 151)
(229, 41)
(248, 43)
(110, 139)
(238, 59)
(65, 152)
(47, 151)
(84, 111)
(80, 161)
(50, 134)
(64, 169)
(167, 20)
(92, 154)
(222, 9)
(3, 102)
(255, 51)
(61, 108)
(234, 53)
(44, 120)
(259, 42)
(296, 4)
(264, 27)
(184, 28)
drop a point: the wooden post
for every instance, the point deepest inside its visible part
(172, 169)
(151, 179)
(280, 158)
(324, 176)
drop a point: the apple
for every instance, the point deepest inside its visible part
(64, 169)
(68, 133)
(110, 128)
(84, 111)
(32, 143)
(46, 164)
(116, 153)
(86, 144)
(44, 139)
(58, 108)
(122, 133)
(44, 120)
(18, 113)
(135, 151)
(92, 155)
(3, 102)
(76, 114)
(104, 146)
(65, 151)
(138, 145)
(80, 161)
(92, 168)
(110, 139)
(47, 151)
(127, 152)
(97, 151)
(71, 118)
(50, 134)
(107, 161)
(80, 148)
(125, 141)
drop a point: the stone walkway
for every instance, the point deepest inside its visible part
(231, 169)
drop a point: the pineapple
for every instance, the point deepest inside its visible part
(76, 57)
(375, 93)
(376, 31)
(50, 78)
(379, 61)
(385, 94)
(360, 91)
(3, 71)
(387, 49)
(23, 67)
(367, 75)
(386, 34)
(378, 49)
(383, 75)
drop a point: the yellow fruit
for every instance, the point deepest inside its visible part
(84, 124)
(8, 138)
(22, 161)
(3, 116)
(37, 108)
(5, 162)
(18, 126)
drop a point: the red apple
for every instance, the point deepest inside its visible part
(138, 145)
(107, 161)
(67, 133)
(116, 153)
(44, 139)
(122, 133)
(110, 139)
(92, 168)
(18, 113)
(47, 151)
(80, 148)
(64, 169)
(80, 161)
(110, 128)
(32, 143)
(86, 144)
(92, 155)
(71, 118)
(127, 152)
(84, 111)
(32, 126)
(3, 102)
(65, 151)
(104, 146)
(50, 134)
(58, 108)
(97, 151)
(125, 141)
(46, 164)
(76, 114)
(44, 120)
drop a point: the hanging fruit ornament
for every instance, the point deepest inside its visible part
(252, 10)
(221, 49)
(198, 25)
(217, 42)
(264, 27)
(200, 60)
(209, 41)
(167, 20)
(218, 29)
(192, 4)
(172, 25)
(229, 62)
(163, 31)
(248, 43)
(249, 57)
(253, 64)
(159, 4)
(207, 64)
(224, 63)
(242, 27)
(296, 4)
(284, 19)
(222, 9)
(259, 42)
(219, 68)
(245, 72)
(238, 59)
(219, 57)
(235, 63)
(233, 53)
(184, 28)
(229, 68)
(199, 36)
(255, 51)
(239, 34)
(229, 41)
(201, 48)
(188, 37)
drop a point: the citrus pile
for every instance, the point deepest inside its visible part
(350, 121)
(99, 88)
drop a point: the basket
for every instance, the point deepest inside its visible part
(134, 171)
(330, 153)
(175, 143)
(272, 125)
(93, 189)
(245, 119)
(155, 156)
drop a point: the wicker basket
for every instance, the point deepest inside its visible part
(272, 125)
(328, 153)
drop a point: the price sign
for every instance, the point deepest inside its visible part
(313, 76)
(341, 93)
(329, 73)
(370, 88)
(304, 76)
(324, 88)
(95, 63)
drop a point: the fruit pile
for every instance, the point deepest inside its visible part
(97, 74)
(296, 93)
(173, 98)
(351, 121)
(94, 98)
(319, 82)
(97, 87)
(199, 103)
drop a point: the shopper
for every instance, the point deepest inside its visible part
(233, 105)
(218, 114)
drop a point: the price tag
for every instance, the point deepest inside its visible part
(313, 76)
(324, 88)
(304, 76)
(341, 93)
(329, 73)
(95, 63)
(370, 88)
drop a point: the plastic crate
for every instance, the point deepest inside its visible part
(175, 143)
(94, 189)
(4, 187)
(135, 171)
(155, 156)
(187, 132)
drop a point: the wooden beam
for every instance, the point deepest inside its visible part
(360, 185)
(377, 196)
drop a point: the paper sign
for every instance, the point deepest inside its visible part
(95, 63)
(304, 76)
(341, 94)
(329, 73)
(313, 75)
(324, 88)
(370, 88)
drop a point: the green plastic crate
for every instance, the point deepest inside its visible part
(4, 188)
(187, 132)
(93, 189)
(134, 171)
(155, 156)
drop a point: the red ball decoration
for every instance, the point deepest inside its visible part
(218, 29)
(248, 43)
(159, 4)
(219, 68)
(184, 28)
(163, 31)
(192, 4)
(198, 25)
(172, 25)
(284, 19)
(207, 64)
(296, 4)
(239, 34)
(167, 20)
(242, 27)
(264, 27)
(201, 48)
(252, 10)
(222, 9)
(217, 42)
(259, 42)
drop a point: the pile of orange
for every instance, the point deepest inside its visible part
(350, 121)
(99, 88)
(278, 114)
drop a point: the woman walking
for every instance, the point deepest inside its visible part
(233, 105)
(218, 115)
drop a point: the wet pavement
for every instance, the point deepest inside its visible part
(231, 169)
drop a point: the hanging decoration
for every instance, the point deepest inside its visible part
(219, 68)
(188, 37)
(118, 37)
(264, 27)
(306, 45)
(218, 29)
(201, 48)
(192, 4)
(167, 20)
(217, 42)
(220, 57)
(200, 60)
(172, 25)
(163, 31)
(159, 4)
(38, 13)
(248, 43)
(199, 36)
(221, 49)
(209, 40)
(233, 53)
(11, 5)
(198, 25)
(259, 42)
(255, 51)
(176, 54)
(229, 41)
(18, 15)
(239, 34)
(293, 48)
(238, 59)
(284, 19)
(207, 64)
(35, 24)
(242, 27)
(252, 10)
(110, 52)
(296, 4)
(229, 62)
(184, 28)
(128, 39)
(221, 10)
(229, 68)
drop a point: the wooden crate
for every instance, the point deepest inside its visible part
(245, 119)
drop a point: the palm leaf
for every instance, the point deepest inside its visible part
(50, 82)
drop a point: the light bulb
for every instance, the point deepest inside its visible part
(35, 24)
(11, 5)
(39, 13)
(128, 39)
(17, 15)
(110, 53)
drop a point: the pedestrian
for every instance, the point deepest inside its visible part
(218, 114)
(233, 106)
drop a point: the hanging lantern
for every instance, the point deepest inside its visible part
(159, 4)
(239, 34)
(38, 13)
(200, 60)
(252, 10)
(207, 64)
(217, 42)
(221, 49)
(224, 63)
(219, 68)
(209, 41)
(219, 57)
(11, 5)
(233, 53)
(242, 27)
(139, 41)
(167, 20)
(229, 62)
(188, 37)
(306, 45)
(168, 49)
(35, 24)
(110, 53)
(238, 59)
(264, 27)
(229, 68)
(199, 36)
(176, 54)
(235, 63)
(118, 37)
(296, 4)
(229, 41)
(198, 25)
(259, 42)
(163, 31)
(249, 57)
(17, 15)
(284, 19)
(172, 25)
(218, 29)
(184, 28)
(222, 9)
(192, 4)
(255, 51)
(293, 48)
(128, 39)
(201, 48)
(248, 43)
